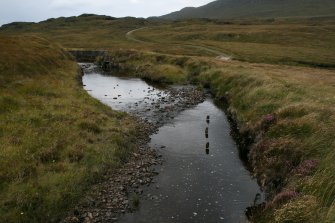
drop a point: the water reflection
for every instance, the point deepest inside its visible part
(193, 185)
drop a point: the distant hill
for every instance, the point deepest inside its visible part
(73, 21)
(84, 31)
(234, 9)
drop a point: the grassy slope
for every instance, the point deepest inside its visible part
(86, 31)
(305, 43)
(92, 32)
(55, 140)
(228, 9)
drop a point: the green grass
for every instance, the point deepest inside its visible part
(55, 140)
(149, 66)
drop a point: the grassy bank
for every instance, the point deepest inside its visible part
(288, 111)
(55, 140)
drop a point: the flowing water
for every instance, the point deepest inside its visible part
(202, 178)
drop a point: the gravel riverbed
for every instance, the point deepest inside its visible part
(120, 190)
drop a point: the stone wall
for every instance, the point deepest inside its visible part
(87, 55)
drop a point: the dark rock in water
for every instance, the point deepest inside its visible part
(208, 117)
(207, 151)
(76, 212)
(105, 95)
(206, 136)
(206, 131)
(115, 98)
(207, 145)
(119, 95)
(84, 85)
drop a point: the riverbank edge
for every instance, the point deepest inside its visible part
(57, 141)
(283, 188)
(244, 139)
(120, 189)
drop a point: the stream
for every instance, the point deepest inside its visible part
(202, 178)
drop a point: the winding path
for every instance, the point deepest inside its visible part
(130, 35)
(219, 55)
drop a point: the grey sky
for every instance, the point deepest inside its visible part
(37, 10)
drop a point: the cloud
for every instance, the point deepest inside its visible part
(68, 5)
(194, 3)
(37, 10)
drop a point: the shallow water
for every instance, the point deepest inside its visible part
(121, 93)
(202, 178)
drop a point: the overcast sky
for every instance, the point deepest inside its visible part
(38, 10)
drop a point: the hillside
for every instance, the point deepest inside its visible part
(306, 42)
(85, 31)
(302, 42)
(233, 9)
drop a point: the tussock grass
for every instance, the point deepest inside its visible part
(149, 66)
(55, 140)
